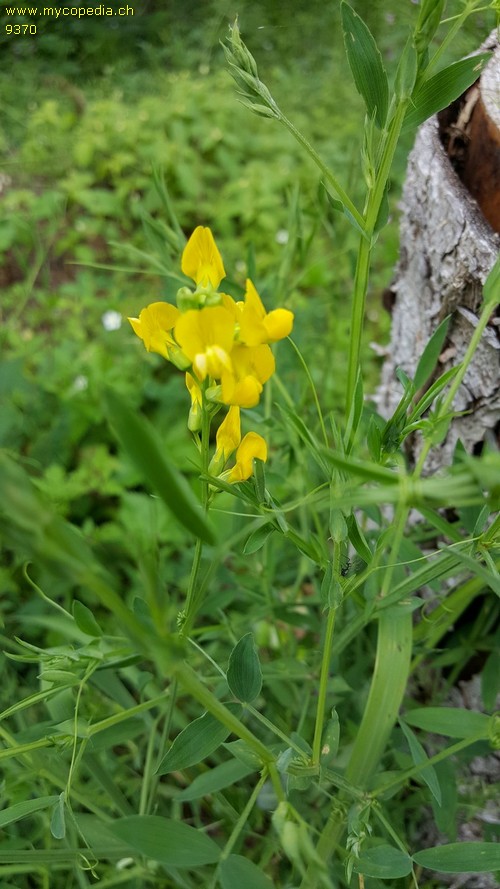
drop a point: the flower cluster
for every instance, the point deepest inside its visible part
(223, 345)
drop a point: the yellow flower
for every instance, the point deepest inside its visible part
(153, 326)
(201, 259)
(251, 368)
(258, 326)
(227, 440)
(206, 336)
(252, 447)
(194, 419)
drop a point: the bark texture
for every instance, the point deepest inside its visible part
(447, 250)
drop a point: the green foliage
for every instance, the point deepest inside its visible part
(125, 758)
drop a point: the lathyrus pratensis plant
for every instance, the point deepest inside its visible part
(333, 787)
(223, 347)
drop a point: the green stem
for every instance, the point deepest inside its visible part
(327, 173)
(357, 319)
(445, 407)
(323, 684)
(238, 827)
(403, 777)
(193, 685)
(375, 198)
(194, 590)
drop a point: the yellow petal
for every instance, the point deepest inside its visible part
(278, 324)
(201, 259)
(227, 440)
(244, 392)
(252, 446)
(153, 326)
(206, 336)
(251, 368)
(195, 412)
(258, 327)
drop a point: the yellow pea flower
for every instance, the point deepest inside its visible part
(251, 368)
(194, 419)
(252, 446)
(206, 336)
(227, 440)
(154, 326)
(201, 259)
(258, 326)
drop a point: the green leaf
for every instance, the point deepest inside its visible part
(330, 740)
(445, 815)
(490, 679)
(419, 756)
(358, 539)
(58, 821)
(85, 620)
(243, 873)
(257, 539)
(450, 721)
(197, 741)
(21, 810)
(244, 754)
(431, 353)
(140, 441)
(224, 775)
(491, 288)
(461, 858)
(163, 839)
(406, 72)
(244, 675)
(385, 862)
(366, 65)
(443, 88)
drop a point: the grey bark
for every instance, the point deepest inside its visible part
(447, 249)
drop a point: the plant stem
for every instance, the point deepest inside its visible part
(195, 687)
(323, 684)
(327, 173)
(193, 591)
(374, 203)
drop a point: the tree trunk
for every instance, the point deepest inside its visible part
(449, 242)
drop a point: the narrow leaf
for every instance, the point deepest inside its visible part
(243, 873)
(244, 675)
(224, 775)
(330, 741)
(140, 441)
(197, 741)
(419, 756)
(366, 65)
(491, 289)
(443, 88)
(257, 539)
(461, 858)
(430, 355)
(170, 842)
(445, 815)
(21, 810)
(450, 721)
(58, 822)
(385, 862)
(85, 620)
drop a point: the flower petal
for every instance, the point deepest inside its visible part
(252, 447)
(256, 326)
(201, 259)
(153, 326)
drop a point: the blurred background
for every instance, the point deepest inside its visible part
(95, 112)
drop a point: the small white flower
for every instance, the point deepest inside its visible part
(282, 236)
(80, 383)
(111, 320)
